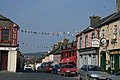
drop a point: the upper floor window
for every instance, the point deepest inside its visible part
(86, 41)
(5, 35)
(102, 34)
(93, 35)
(80, 42)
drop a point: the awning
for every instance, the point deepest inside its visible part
(70, 59)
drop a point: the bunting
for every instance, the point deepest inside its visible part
(35, 46)
(49, 33)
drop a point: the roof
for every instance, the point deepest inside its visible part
(58, 51)
(54, 50)
(3, 17)
(105, 20)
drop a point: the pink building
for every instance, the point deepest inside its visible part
(88, 44)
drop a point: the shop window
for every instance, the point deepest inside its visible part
(94, 56)
(81, 56)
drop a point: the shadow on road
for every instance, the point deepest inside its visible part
(29, 71)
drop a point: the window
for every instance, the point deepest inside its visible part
(102, 34)
(93, 35)
(86, 41)
(80, 42)
(5, 35)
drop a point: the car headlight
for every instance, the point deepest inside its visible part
(67, 71)
(93, 75)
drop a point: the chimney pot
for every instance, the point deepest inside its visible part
(94, 20)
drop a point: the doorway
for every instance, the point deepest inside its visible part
(103, 60)
(4, 60)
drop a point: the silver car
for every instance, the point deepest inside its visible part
(114, 77)
(92, 72)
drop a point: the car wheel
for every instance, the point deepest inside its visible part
(65, 74)
(109, 79)
(79, 78)
(60, 74)
(52, 72)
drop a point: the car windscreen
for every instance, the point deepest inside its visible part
(94, 68)
(57, 66)
(69, 66)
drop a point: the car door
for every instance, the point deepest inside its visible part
(83, 72)
(117, 77)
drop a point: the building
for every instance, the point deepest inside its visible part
(110, 41)
(8, 44)
(69, 55)
(88, 44)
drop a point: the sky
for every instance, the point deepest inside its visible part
(54, 17)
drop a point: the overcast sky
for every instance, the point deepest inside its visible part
(52, 16)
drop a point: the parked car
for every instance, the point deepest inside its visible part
(115, 76)
(68, 70)
(56, 69)
(27, 68)
(92, 72)
(48, 67)
(43, 66)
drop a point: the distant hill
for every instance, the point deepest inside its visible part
(35, 54)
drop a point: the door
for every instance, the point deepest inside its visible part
(116, 61)
(103, 61)
(4, 58)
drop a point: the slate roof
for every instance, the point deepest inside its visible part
(102, 21)
(3, 17)
(55, 50)
(58, 51)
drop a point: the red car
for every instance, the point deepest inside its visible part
(68, 70)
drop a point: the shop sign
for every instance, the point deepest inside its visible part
(103, 48)
(95, 42)
(88, 52)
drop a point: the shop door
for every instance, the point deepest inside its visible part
(4, 60)
(116, 61)
(103, 61)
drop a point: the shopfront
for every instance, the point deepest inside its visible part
(88, 56)
(115, 60)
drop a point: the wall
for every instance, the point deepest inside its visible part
(12, 61)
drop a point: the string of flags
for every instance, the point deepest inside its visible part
(49, 33)
(35, 46)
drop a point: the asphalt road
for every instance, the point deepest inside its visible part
(32, 76)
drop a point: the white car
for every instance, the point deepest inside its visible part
(27, 67)
(114, 77)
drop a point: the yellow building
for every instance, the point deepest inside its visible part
(109, 33)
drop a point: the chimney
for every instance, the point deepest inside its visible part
(59, 42)
(65, 41)
(94, 20)
(117, 5)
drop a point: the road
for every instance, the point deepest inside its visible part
(32, 76)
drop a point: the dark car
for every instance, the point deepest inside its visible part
(48, 67)
(43, 66)
(68, 70)
(56, 69)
